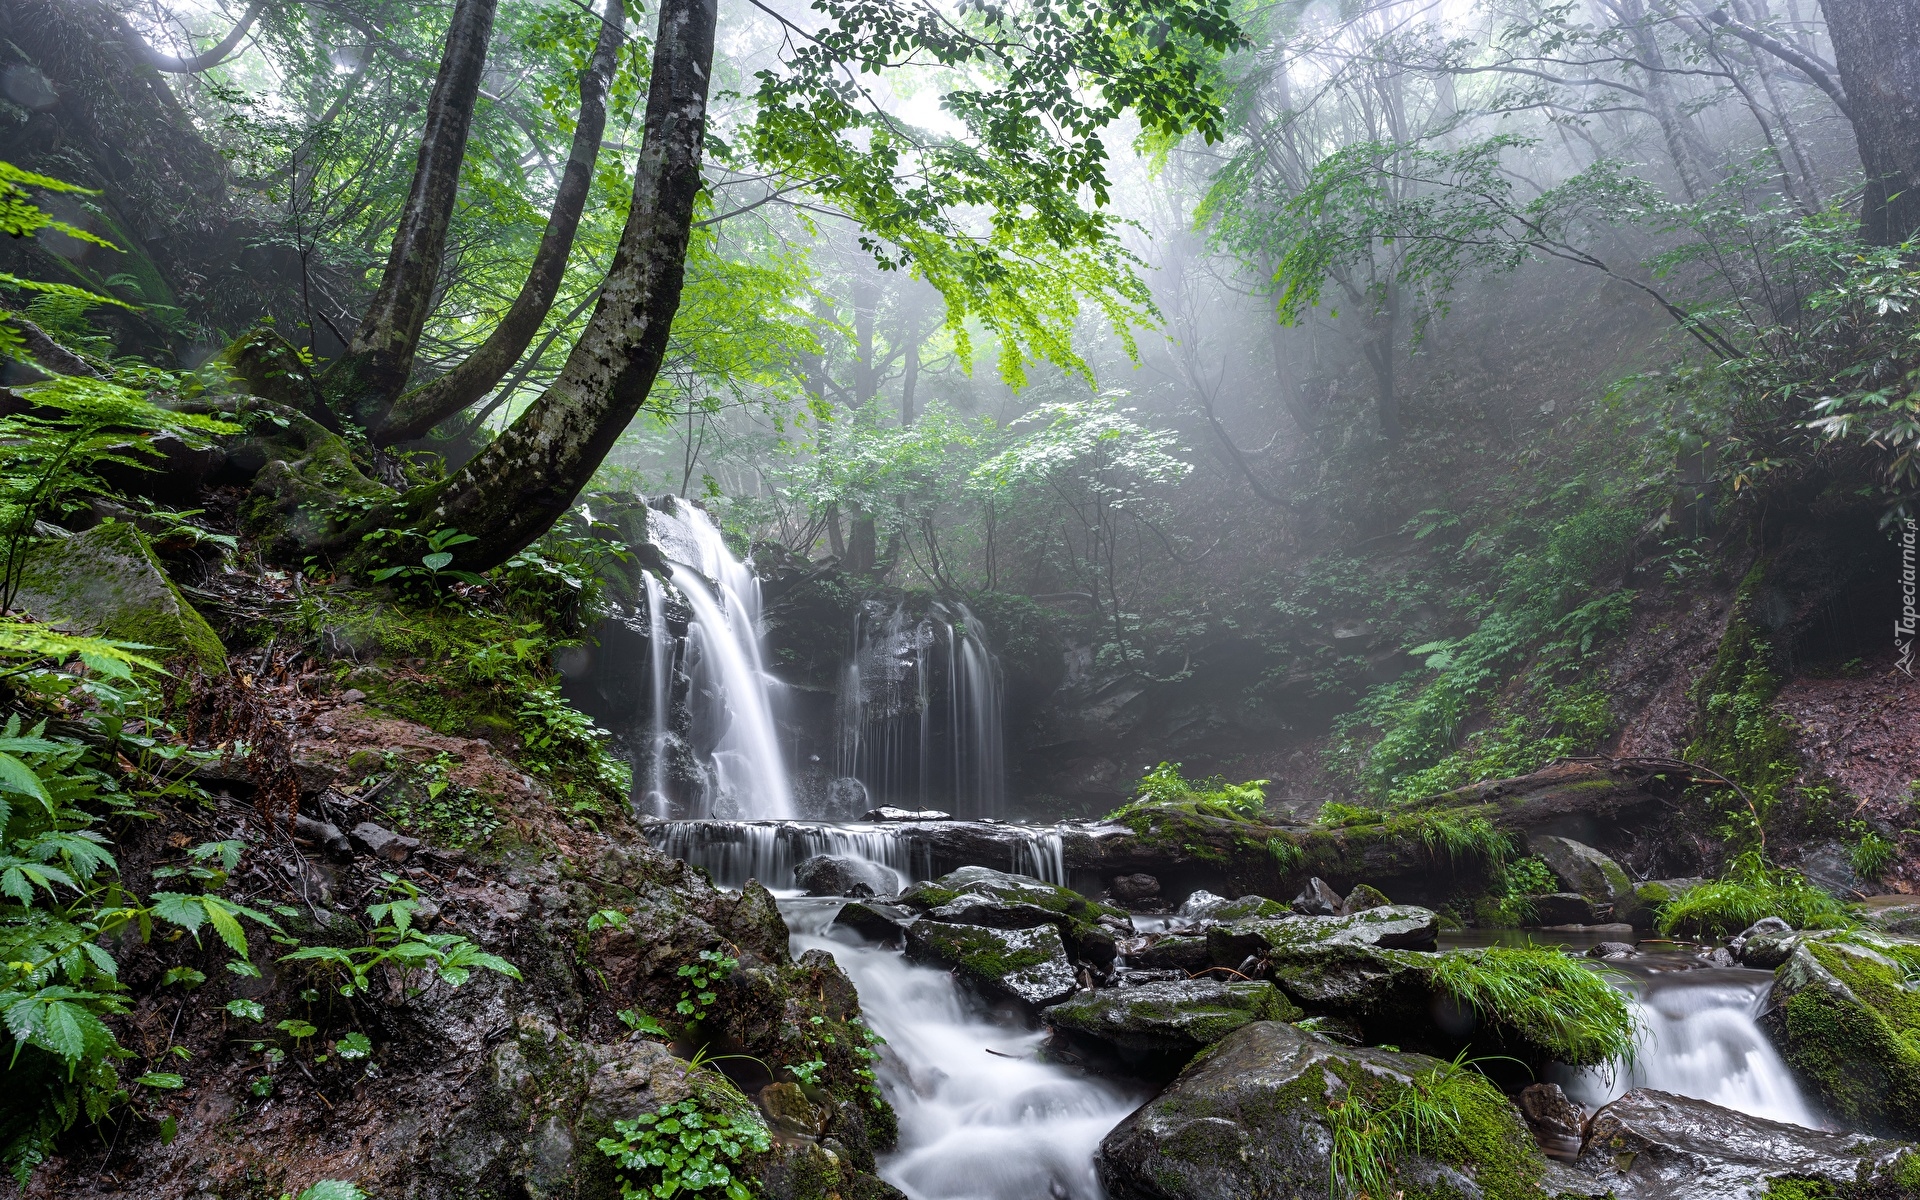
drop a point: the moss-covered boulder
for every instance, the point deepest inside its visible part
(107, 582)
(1173, 1018)
(1028, 965)
(1582, 869)
(1389, 927)
(1847, 1020)
(1264, 1112)
(1650, 1144)
(986, 897)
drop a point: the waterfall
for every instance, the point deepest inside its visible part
(732, 852)
(731, 693)
(920, 716)
(1699, 1038)
(982, 1116)
(660, 653)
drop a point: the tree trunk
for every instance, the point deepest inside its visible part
(421, 409)
(866, 374)
(516, 488)
(376, 365)
(909, 381)
(1876, 46)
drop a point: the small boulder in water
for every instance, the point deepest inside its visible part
(1767, 929)
(840, 875)
(889, 813)
(1612, 950)
(1181, 952)
(1201, 905)
(1561, 908)
(874, 921)
(1318, 900)
(1394, 927)
(1658, 1145)
(1249, 907)
(1548, 1111)
(1130, 889)
(972, 908)
(1024, 964)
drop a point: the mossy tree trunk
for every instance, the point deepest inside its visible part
(516, 488)
(1876, 48)
(376, 365)
(421, 409)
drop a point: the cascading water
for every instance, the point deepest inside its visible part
(920, 717)
(1699, 1038)
(733, 852)
(731, 693)
(660, 654)
(981, 1118)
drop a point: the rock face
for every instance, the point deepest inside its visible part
(1251, 1118)
(1848, 1023)
(839, 875)
(107, 582)
(1170, 1018)
(1029, 965)
(1650, 1145)
(1131, 889)
(1317, 899)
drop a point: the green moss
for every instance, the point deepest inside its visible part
(1448, 1113)
(107, 581)
(1800, 1189)
(1863, 1058)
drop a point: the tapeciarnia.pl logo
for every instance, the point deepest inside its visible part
(1904, 626)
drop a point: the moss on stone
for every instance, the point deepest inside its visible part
(1858, 1044)
(106, 581)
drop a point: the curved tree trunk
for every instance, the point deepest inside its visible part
(516, 488)
(421, 409)
(376, 365)
(208, 58)
(1876, 49)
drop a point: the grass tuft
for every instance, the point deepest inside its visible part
(1561, 1007)
(1752, 890)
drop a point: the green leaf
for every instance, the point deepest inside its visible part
(247, 1010)
(433, 562)
(16, 776)
(354, 1045)
(161, 1079)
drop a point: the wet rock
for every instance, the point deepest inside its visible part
(1829, 867)
(888, 813)
(1549, 1112)
(1025, 964)
(1770, 930)
(384, 843)
(1200, 905)
(1318, 900)
(1178, 1018)
(1249, 907)
(1077, 917)
(1581, 868)
(1335, 1029)
(1251, 1118)
(1846, 1019)
(843, 875)
(1561, 908)
(875, 921)
(1612, 950)
(1391, 927)
(1650, 1145)
(1131, 889)
(972, 908)
(789, 1111)
(1181, 952)
(1363, 897)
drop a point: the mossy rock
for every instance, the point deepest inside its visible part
(1389, 927)
(1024, 901)
(1024, 964)
(107, 582)
(1847, 1021)
(1172, 1018)
(1256, 1115)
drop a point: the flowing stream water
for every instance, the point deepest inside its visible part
(981, 1118)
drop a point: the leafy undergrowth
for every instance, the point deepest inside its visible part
(1751, 890)
(1163, 787)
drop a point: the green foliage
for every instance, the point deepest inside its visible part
(702, 977)
(396, 942)
(1519, 882)
(1564, 1008)
(1448, 1113)
(685, 1147)
(434, 804)
(1164, 786)
(1872, 855)
(555, 736)
(1752, 889)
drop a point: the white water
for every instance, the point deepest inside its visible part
(659, 655)
(920, 719)
(980, 1117)
(1699, 1038)
(730, 681)
(733, 852)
